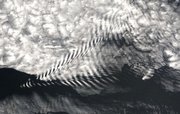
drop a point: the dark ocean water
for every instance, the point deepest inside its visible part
(160, 95)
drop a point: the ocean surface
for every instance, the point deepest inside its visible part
(158, 96)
